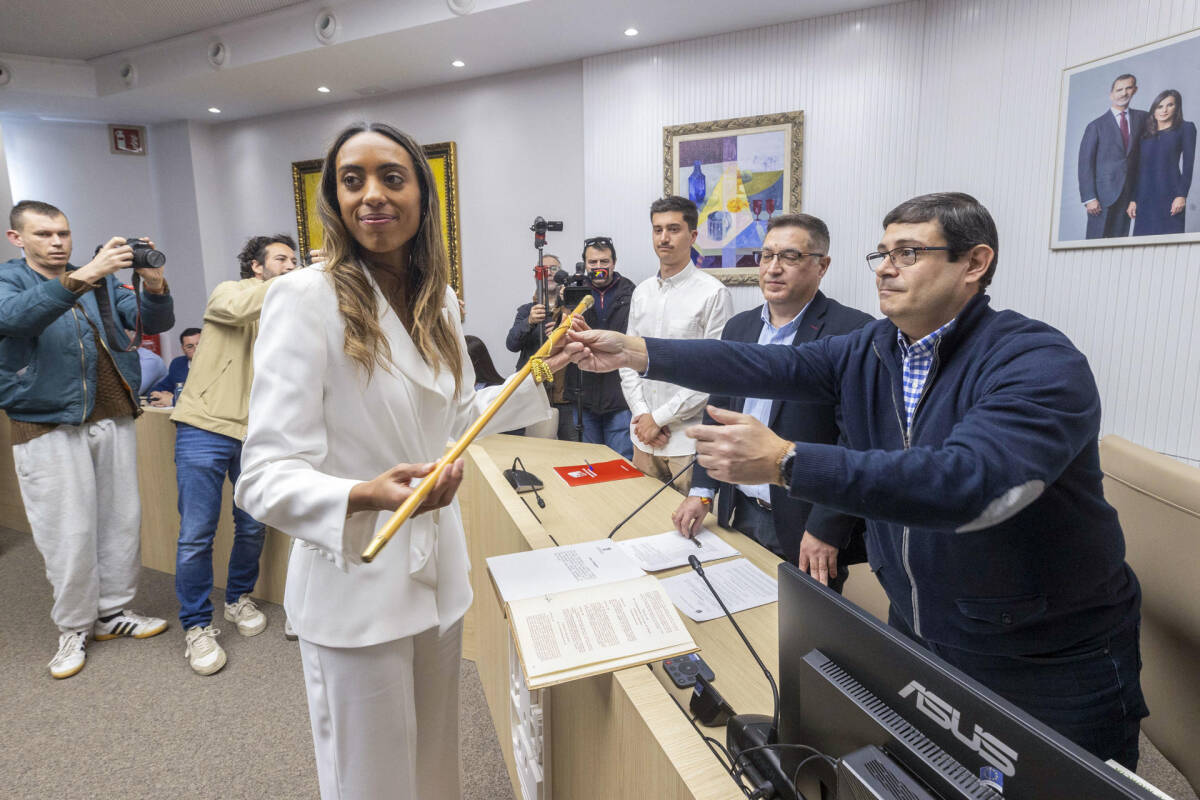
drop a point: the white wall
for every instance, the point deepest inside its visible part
(69, 165)
(520, 154)
(177, 232)
(7, 251)
(926, 96)
(922, 96)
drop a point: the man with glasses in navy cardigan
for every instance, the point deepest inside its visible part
(970, 446)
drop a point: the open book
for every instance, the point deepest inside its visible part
(584, 610)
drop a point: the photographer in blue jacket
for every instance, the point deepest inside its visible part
(970, 448)
(68, 381)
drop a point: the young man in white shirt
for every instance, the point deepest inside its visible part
(680, 302)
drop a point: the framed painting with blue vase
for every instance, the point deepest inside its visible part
(739, 172)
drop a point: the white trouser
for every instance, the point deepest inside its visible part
(385, 717)
(80, 488)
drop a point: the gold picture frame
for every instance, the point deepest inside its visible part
(740, 172)
(443, 161)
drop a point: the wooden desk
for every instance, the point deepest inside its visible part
(619, 735)
(160, 512)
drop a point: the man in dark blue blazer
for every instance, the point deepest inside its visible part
(791, 264)
(1108, 157)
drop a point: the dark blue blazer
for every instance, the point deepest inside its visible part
(797, 422)
(1106, 171)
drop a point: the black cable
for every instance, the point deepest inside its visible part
(800, 766)
(778, 745)
(674, 477)
(708, 740)
(531, 511)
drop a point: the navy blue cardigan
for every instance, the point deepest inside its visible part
(987, 524)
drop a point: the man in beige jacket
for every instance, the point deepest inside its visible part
(210, 425)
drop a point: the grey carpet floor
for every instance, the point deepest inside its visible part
(138, 723)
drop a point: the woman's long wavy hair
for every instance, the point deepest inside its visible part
(428, 271)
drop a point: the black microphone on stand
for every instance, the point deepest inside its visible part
(747, 735)
(659, 491)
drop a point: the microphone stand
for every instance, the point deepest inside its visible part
(674, 477)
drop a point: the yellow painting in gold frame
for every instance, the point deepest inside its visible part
(443, 161)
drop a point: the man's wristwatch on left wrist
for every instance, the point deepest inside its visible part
(786, 459)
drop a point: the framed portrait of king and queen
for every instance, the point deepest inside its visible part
(1127, 148)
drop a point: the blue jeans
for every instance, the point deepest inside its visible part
(1090, 693)
(611, 429)
(202, 460)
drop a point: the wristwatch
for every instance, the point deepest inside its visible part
(785, 466)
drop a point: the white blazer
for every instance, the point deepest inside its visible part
(318, 427)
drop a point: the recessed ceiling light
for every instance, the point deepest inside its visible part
(458, 62)
(324, 89)
(214, 110)
(631, 31)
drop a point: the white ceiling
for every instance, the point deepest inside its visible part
(276, 62)
(75, 30)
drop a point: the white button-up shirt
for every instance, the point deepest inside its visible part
(689, 305)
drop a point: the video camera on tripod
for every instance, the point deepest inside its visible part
(575, 287)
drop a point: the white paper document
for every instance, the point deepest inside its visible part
(740, 584)
(557, 569)
(667, 550)
(587, 627)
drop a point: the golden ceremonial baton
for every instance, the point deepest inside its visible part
(426, 486)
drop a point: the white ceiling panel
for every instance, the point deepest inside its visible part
(391, 45)
(84, 30)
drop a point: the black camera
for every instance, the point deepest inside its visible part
(144, 256)
(541, 225)
(575, 287)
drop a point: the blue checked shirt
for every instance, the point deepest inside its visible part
(758, 407)
(918, 358)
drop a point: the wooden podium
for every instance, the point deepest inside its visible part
(619, 735)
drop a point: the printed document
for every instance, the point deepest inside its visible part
(667, 550)
(740, 584)
(595, 629)
(556, 569)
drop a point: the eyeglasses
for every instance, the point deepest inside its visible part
(595, 240)
(900, 256)
(791, 258)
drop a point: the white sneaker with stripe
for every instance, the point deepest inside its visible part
(71, 654)
(128, 623)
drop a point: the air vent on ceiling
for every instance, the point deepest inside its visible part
(128, 74)
(5, 74)
(368, 91)
(325, 26)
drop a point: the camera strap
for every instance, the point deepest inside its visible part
(117, 337)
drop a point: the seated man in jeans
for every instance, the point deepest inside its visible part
(210, 423)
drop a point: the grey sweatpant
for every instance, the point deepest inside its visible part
(79, 484)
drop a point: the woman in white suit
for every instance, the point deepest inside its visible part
(360, 379)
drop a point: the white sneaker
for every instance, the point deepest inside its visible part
(203, 653)
(289, 632)
(128, 623)
(250, 621)
(70, 656)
